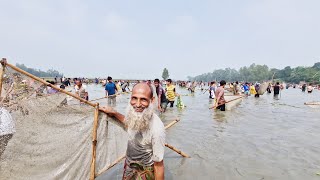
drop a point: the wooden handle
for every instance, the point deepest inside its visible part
(3, 63)
(229, 101)
(112, 164)
(46, 83)
(172, 123)
(94, 142)
(177, 151)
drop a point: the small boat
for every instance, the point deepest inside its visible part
(313, 104)
(232, 101)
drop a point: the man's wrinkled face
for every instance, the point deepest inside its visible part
(141, 98)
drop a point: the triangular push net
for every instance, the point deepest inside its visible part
(50, 136)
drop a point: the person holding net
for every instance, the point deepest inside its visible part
(145, 148)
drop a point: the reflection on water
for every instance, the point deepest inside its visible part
(262, 138)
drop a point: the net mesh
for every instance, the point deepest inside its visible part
(49, 136)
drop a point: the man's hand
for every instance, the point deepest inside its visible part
(112, 112)
(109, 110)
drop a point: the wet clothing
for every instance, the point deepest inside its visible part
(163, 98)
(66, 82)
(309, 89)
(112, 100)
(235, 89)
(136, 171)
(252, 90)
(220, 95)
(160, 91)
(269, 89)
(212, 90)
(111, 88)
(118, 87)
(124, 86)
(257, 88)
(82, 91)
(246, 89)
(222, 107)
(171, 89)
(276, 89)
(147, 147)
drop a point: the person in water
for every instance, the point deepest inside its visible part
(220, 102)
(303, 88)
(246, 89)
(111, 91)
(257, 88)
(81, 90)
(252, 89)
(145, 149)
(310, 88)
(236, 88)
(162, 99)
(171, 92)
(212, 89)
(276, 90)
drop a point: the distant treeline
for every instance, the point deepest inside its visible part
(39, 73)
(263, 72)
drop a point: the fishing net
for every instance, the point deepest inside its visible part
(45, 134)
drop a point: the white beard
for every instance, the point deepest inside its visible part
(138, 121)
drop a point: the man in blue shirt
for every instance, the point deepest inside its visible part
(111, 90)
(246, 89)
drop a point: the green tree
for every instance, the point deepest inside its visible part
(316, 65)
(263, 72)
(39, 73)
(165, 74)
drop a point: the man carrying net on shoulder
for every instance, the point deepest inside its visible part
(145, 149)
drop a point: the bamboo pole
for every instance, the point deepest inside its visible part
(177, 151)
(94, 142)
(112, 164)
(102, 97)
(3, 63)
(123, 156)
(228, 101)
(172, 123)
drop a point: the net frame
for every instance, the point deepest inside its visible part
(97, 110)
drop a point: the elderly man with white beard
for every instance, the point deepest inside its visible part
(145, 149)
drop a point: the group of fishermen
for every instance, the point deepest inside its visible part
(145, 147)
(165, 95)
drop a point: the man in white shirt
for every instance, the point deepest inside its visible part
(145, 150)
(81, 90)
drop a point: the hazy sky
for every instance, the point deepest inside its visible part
(137, 39)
